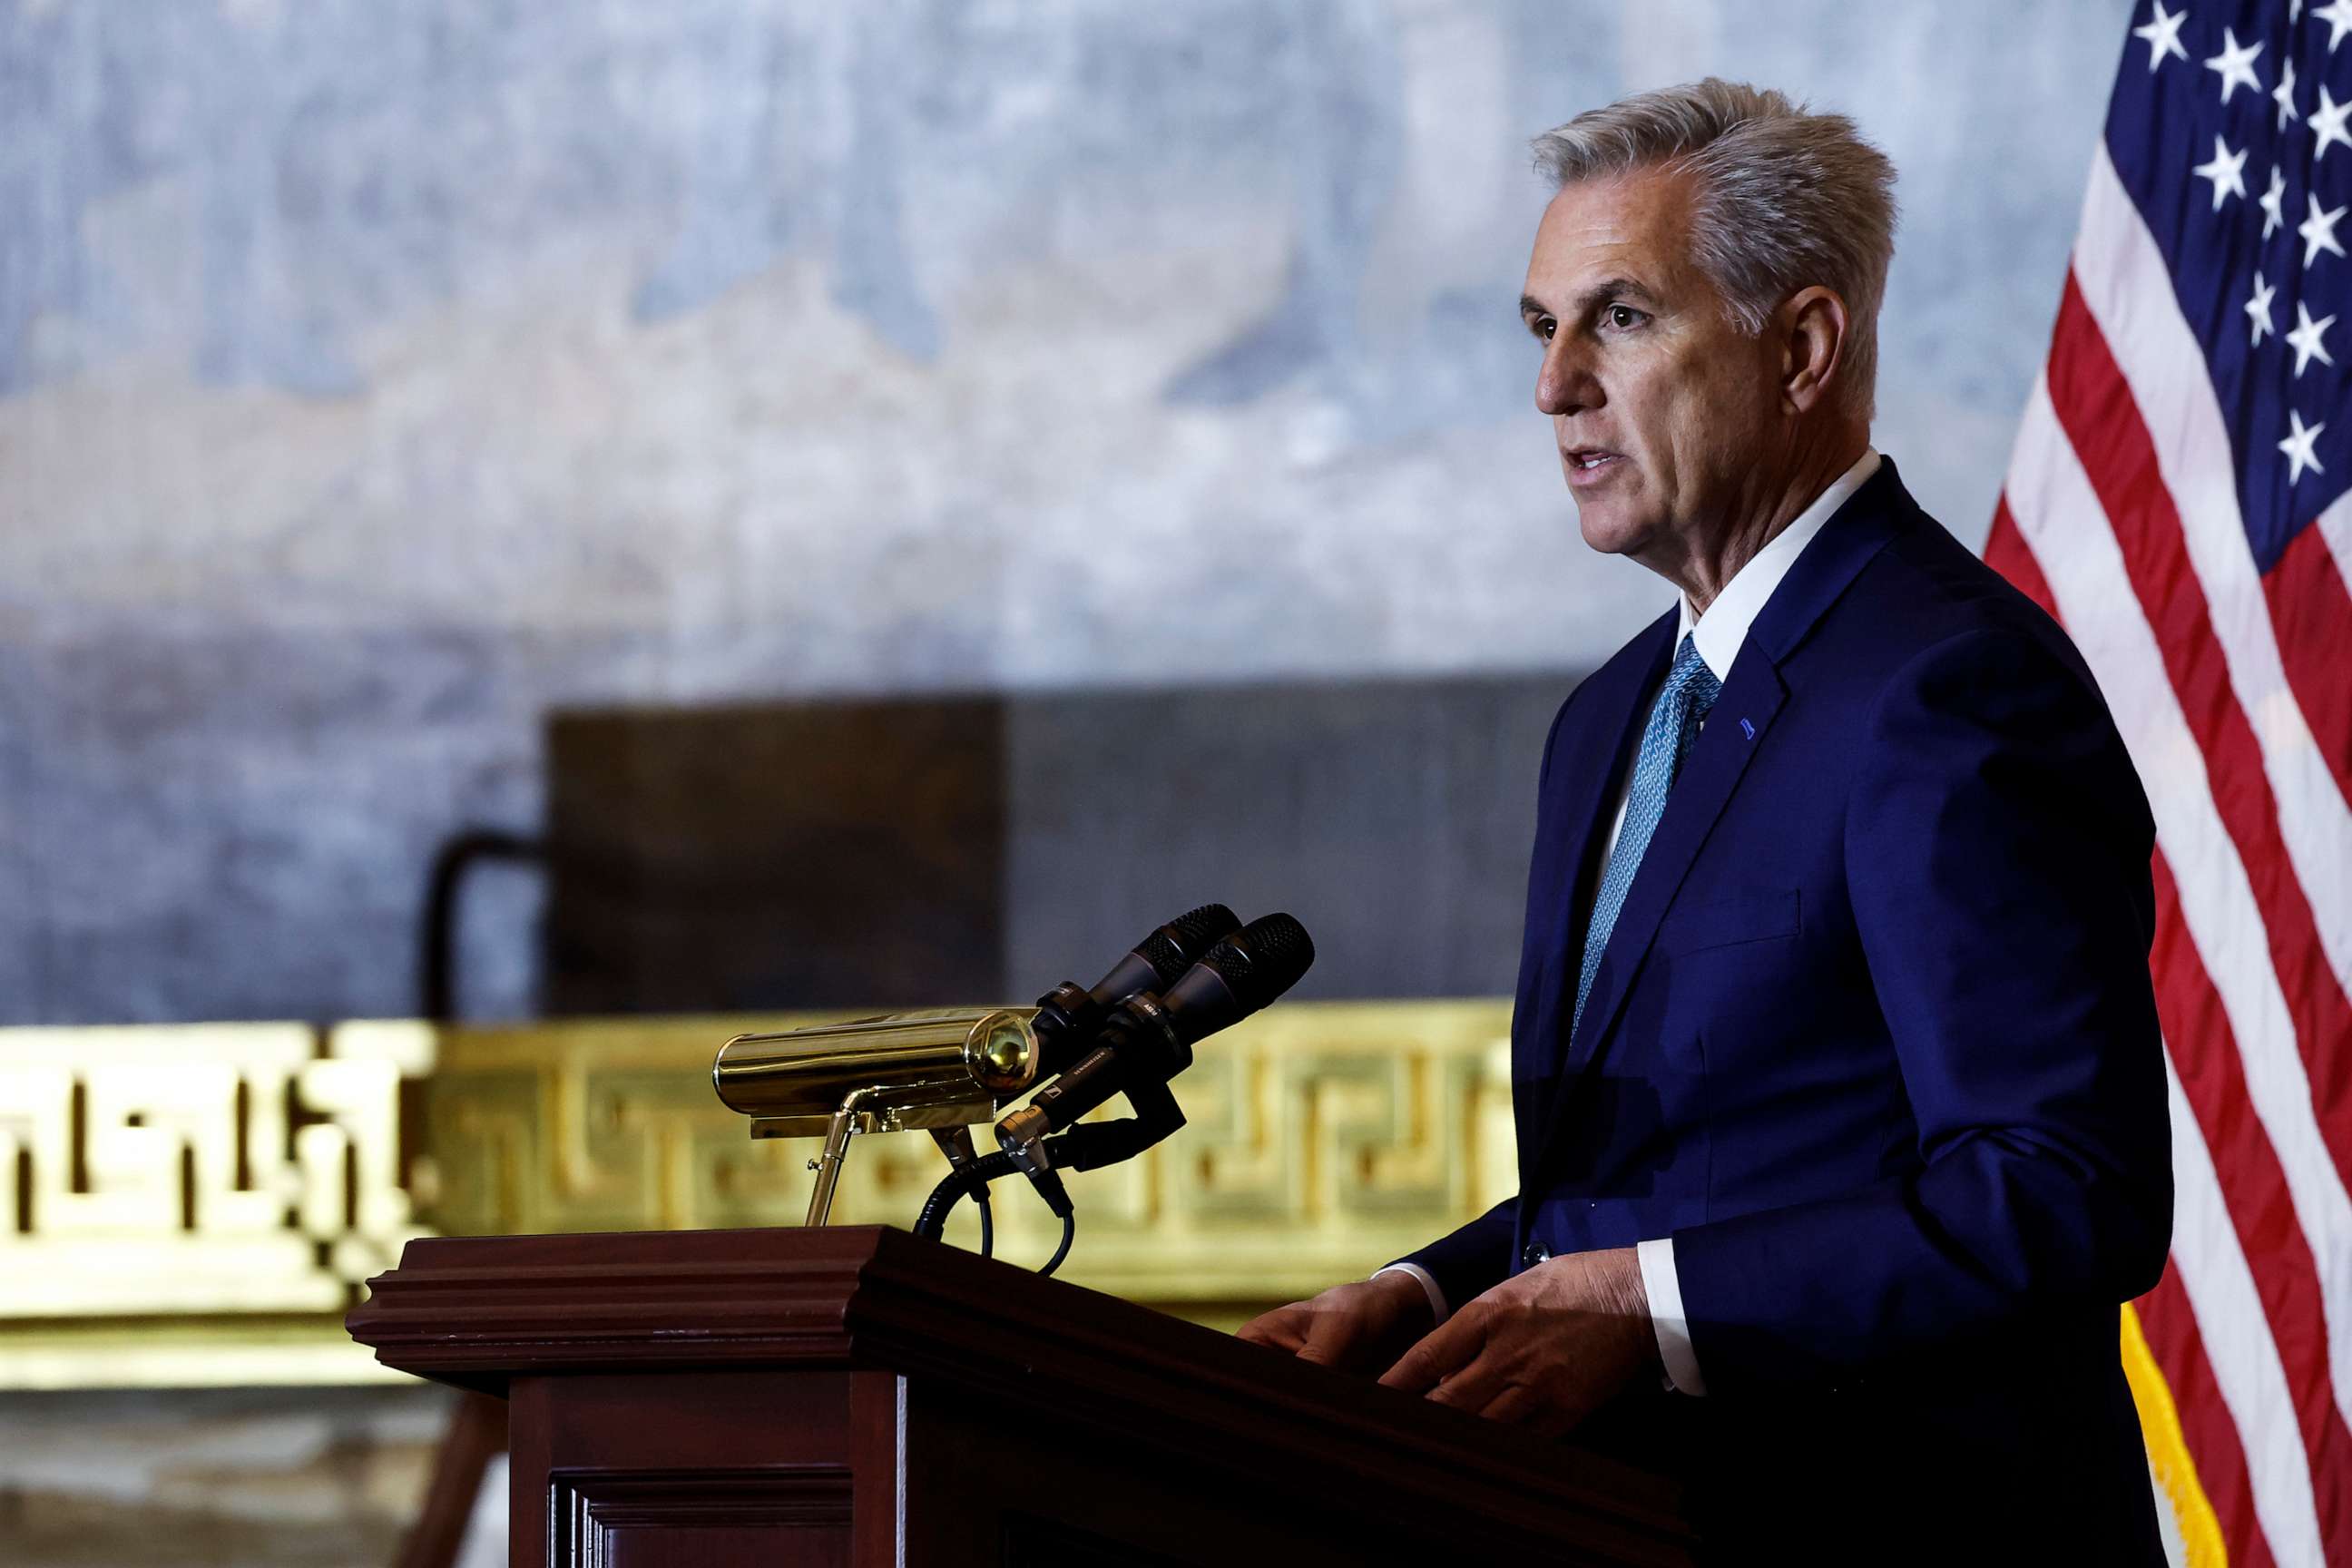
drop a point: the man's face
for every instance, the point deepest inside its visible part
(1662, 407)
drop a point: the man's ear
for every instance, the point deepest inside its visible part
(1813, 326)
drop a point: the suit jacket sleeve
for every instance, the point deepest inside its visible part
(1996, 852)
(1474, 1258)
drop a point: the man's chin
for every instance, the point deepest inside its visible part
(1607, 529)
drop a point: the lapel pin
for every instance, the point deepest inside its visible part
(1746, 729)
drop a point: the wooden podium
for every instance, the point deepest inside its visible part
(861, 1396)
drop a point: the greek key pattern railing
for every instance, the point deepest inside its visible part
(208, 1179)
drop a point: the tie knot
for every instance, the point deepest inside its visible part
(1691, 682)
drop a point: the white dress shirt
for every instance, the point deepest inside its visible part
(1718, 635)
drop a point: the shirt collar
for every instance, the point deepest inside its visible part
(1720, 632)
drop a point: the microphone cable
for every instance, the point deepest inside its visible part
(970, 1180)
(1069, 1233)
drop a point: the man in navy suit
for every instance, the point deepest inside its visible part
(1840, 1097)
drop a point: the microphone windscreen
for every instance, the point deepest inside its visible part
(1262, 960)
(1178, 945)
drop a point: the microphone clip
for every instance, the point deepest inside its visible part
(1034, 1160)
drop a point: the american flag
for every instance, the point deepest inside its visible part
(2181, 497)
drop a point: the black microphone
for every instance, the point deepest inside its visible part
(1068, 1018)
(1148, 1039)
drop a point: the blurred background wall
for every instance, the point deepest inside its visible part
(797, 504)
(587, 423)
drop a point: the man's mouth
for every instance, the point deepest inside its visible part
(1588, 463)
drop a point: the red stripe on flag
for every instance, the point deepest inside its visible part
(2006, 553)
(2312, 615)
(2254, 1186)
(2094, 405)
(2166, 1318)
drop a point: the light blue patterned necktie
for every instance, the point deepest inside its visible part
(1683, 702)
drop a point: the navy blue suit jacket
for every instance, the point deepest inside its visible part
(1873, 1041)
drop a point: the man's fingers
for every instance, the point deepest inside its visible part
(1472, 1388)
(1441, 1351)
(1281, 1337)
(1519, 1406)
(1284, 1328)
(1513, 1406)
(1331, 1337)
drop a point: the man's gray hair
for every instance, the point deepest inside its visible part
(1785, 199)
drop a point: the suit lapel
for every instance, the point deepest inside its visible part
(1735, 731)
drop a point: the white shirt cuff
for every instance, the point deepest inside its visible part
(1437, 1309)
(1666, 1320)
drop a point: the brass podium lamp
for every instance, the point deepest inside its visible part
(939, 1072)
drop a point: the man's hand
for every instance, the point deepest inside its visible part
(1357, 1327)
(1542, 1350)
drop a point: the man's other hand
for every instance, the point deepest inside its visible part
(1544, 1349)
(1357, 1327)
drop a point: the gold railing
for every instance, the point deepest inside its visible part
(198, 1204)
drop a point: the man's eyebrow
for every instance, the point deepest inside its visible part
(1592, 298)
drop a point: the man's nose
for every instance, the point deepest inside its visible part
(1566, 384)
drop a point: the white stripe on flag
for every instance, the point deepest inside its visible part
(2129, 291)
(2238, 1344)
(2058, 512)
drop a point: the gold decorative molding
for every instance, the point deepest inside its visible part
(199, 1168)
(199, 1202)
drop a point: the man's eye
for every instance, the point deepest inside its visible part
(1623, 316)
(1544, 327)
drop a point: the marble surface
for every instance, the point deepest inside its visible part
(378, 378)
(320, 1477)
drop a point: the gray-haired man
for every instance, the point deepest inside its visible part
(1840, 1096)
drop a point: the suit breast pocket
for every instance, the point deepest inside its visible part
(1728, 920)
